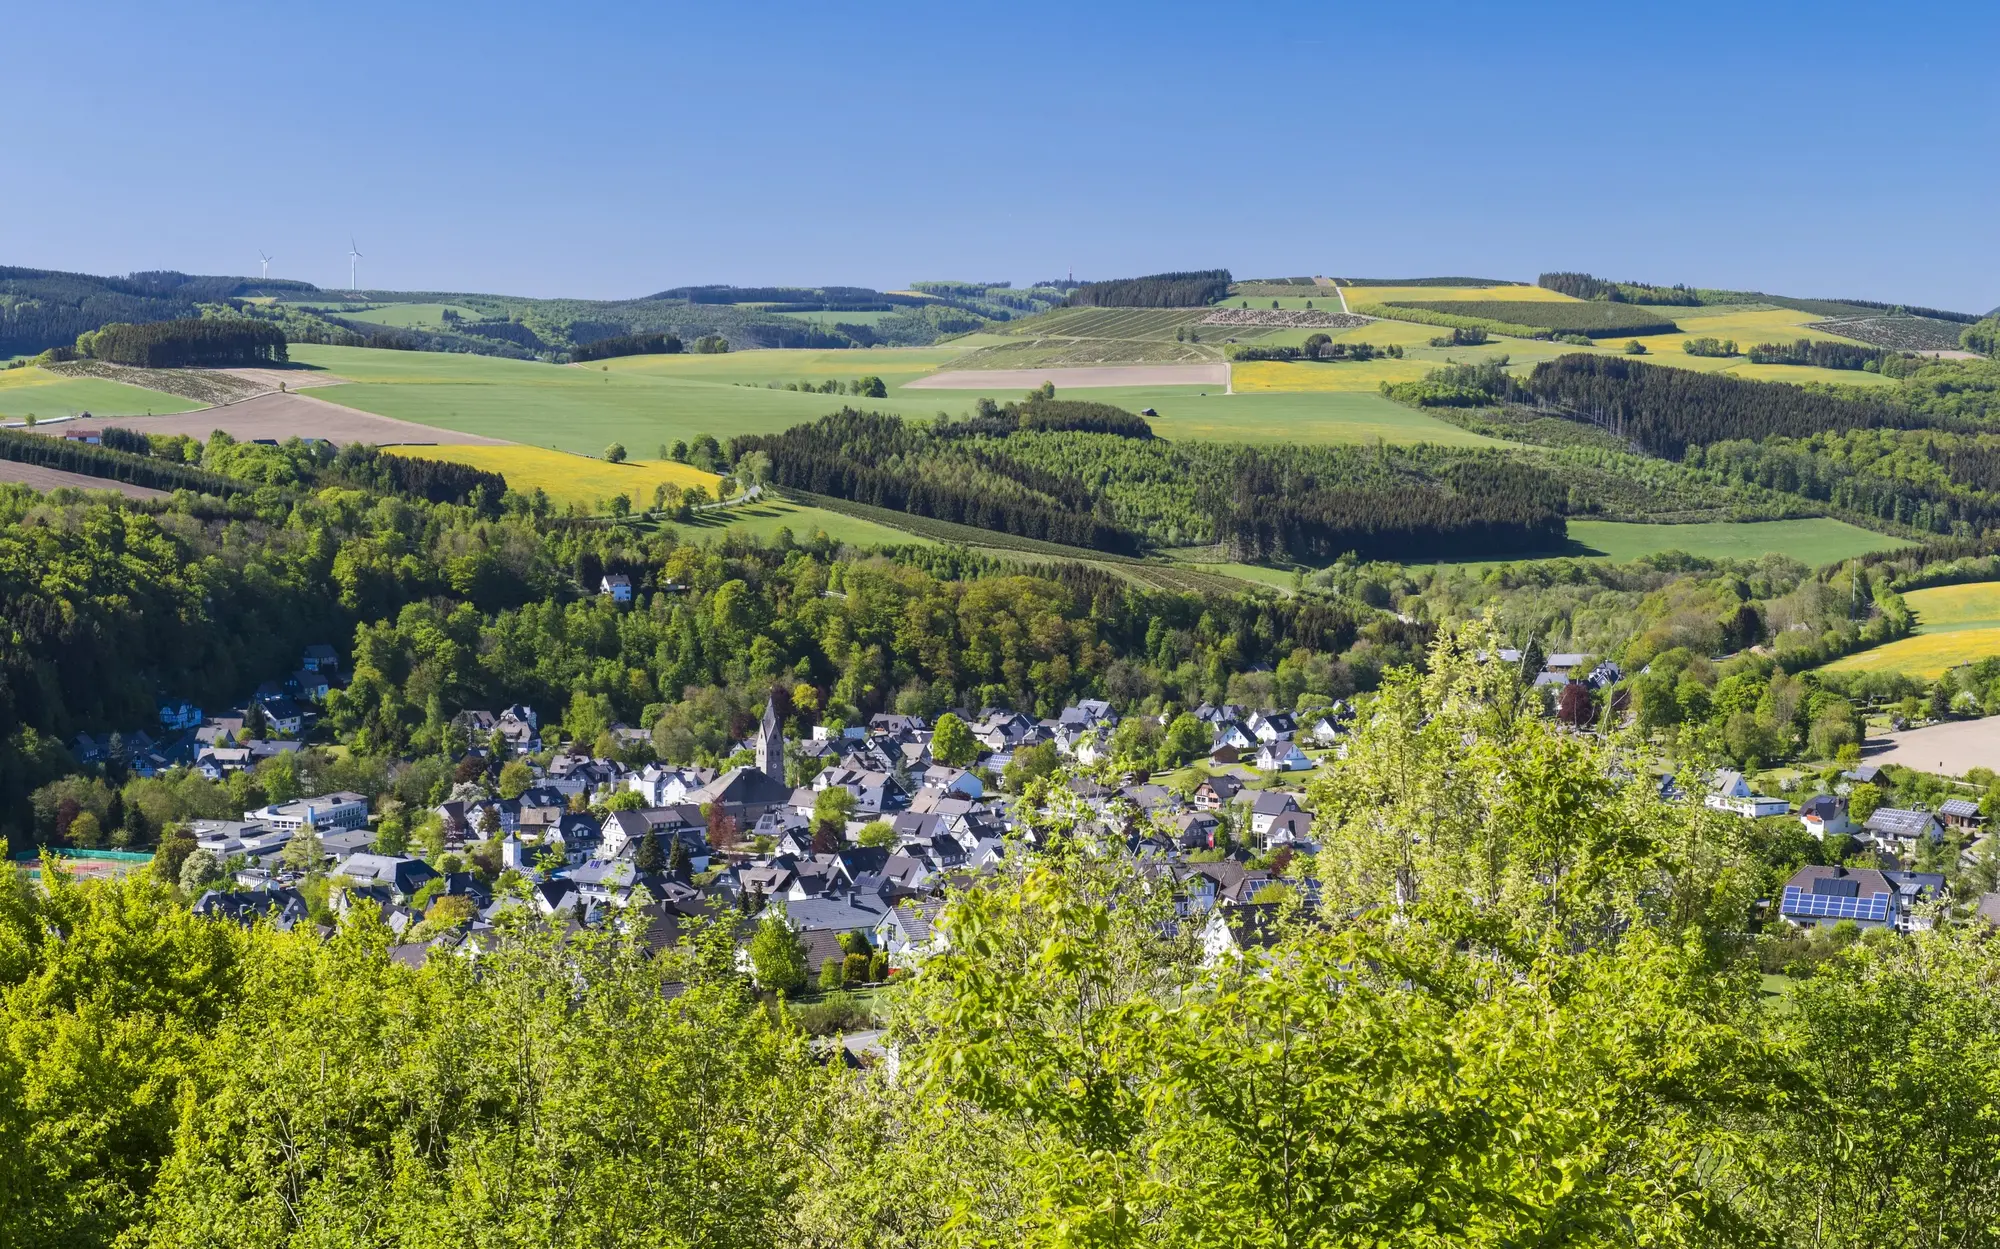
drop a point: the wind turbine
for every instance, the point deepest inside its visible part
(267, 264)
(353, 254)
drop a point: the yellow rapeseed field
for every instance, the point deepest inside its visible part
(570, 478)
(1956, 624)
(1925, 656)
(1252, 376)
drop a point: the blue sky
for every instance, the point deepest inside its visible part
(611, 150)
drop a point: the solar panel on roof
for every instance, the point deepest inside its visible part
(1874, 907)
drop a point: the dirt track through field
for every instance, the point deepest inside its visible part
(282, 416)
(51, 478)
(1076, 379)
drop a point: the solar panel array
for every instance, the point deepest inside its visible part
(1832, 906)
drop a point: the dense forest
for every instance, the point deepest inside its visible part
(1090, 474)
(1583, 286)
(875, 459)
(1665, 409)
(1984, 337)
(1192, 289)
(213, 341)
(1273, 508)
(41, 308)
(1821, 354)
(654, 344)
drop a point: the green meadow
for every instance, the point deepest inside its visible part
(36, 392)
(400, 316)
(643, 401)
(765, 517)
(1813, 541)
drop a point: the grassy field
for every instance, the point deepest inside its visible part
(1084, 336)
(43, 394)
(765, 517)
(834, 318)
(892, 365)
(643, 401)
(1814, 541)
(1956, 624)
(1748, 326)
(568, 478)
(1394, 294)
(1326, 417)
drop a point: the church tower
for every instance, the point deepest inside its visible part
(771, 743)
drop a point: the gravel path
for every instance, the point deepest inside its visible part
(1076, 379)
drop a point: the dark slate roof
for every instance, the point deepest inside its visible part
(1900, 823)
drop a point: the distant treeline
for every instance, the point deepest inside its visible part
(504, 330)
(1935, 314)
(437, 481)
(810, 298)
(1664, 409)
(43, 308)
(1820, 354)
(112, 464)
(1041, 414)
(872, 458)
(1423, 282)
(1531, 317)
(1983, 337)
(1323, 349)
(222, 341)
(655, 344)
(1584, 286)
(1274, 509)
(1193, 289)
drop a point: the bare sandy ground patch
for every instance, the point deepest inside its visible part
(1076, 379)
(283, 416)
(1948, 749)
(290, 379)
(51, 478)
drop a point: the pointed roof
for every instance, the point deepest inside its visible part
(769, 724)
